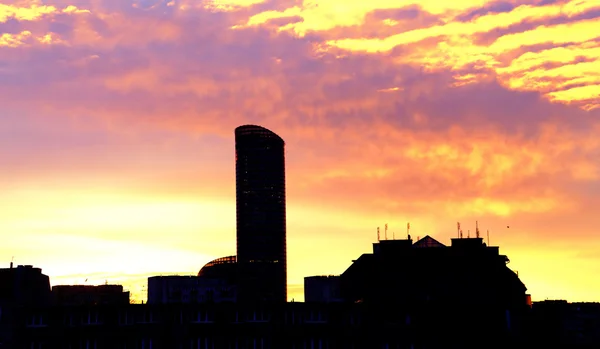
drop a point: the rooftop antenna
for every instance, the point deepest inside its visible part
(457, 229)
(386, 231)
(11, 262)
(477, 229)
(378, 234)
(408, 230)
(468, 234)
(461, 236)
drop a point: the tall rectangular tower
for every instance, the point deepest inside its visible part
(260, 215)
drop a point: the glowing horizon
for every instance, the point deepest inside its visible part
(116, 131)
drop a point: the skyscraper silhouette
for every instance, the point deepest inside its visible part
(261, 215)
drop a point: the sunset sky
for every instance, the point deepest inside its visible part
(117, 119)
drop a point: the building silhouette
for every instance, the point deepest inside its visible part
(216, 282)
(453, 296)
(24, 286)
(427, 272)
(261, 215)
(73, 295)
(322, 289)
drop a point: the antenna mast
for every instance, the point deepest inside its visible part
(386, 231)
(458, 229)
(378, 234)
(408, 230)
(477, 229)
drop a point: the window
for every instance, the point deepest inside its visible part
(88, 344)
(315, 316)
(125, 318)
(91, 318)
(35, 345)
(257, 316)
(314, 344)
(146, 317)
(257, 343)
(69, 320)
(354, 319)
(233, 344)
(36, 320)
(202, 343)
(203, 316)
(290, 317)
(146, 343)
(210, 295)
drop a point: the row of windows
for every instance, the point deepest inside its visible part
(206, 343)
(93, 317)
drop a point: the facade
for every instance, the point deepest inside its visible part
(216, 282)
(71, 295)
(177, 289)
(322, 289)
(222, 326)
(559, 324)
(24, 285)
(261, 215)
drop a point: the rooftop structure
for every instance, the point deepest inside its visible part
(89, 295)
(428, 272)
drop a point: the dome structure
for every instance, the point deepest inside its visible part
(222, 268)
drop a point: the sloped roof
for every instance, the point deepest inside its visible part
(428, 241)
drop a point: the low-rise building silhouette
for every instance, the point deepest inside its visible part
(69, 295)
(559, 324)
(24, 285)
(322, 289)
(216, 282)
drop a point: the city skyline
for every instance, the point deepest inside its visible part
(118, 152)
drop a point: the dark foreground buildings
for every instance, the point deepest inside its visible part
(298, 325)
(404, 295)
